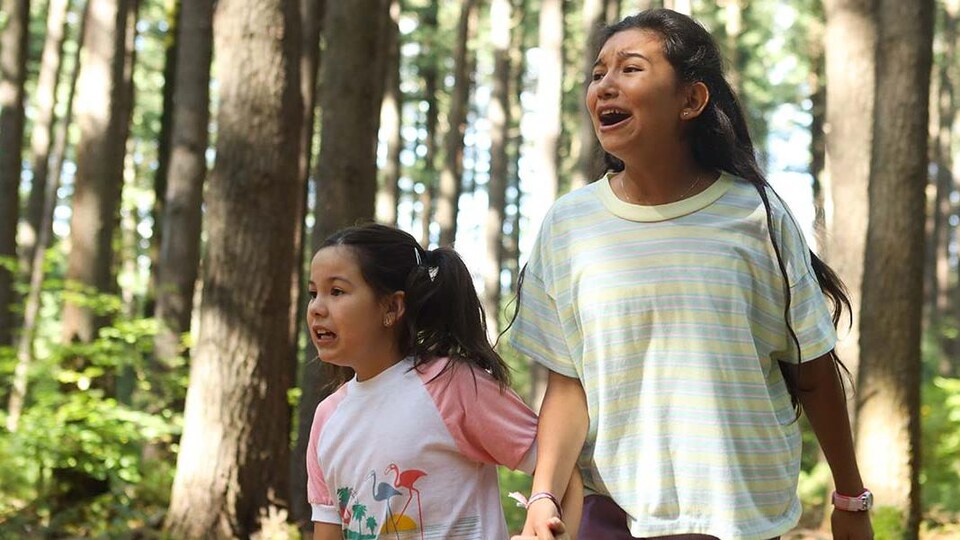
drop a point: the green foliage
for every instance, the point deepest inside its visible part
(940, 417)
(888, 523)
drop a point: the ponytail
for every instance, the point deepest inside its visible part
(444, 316)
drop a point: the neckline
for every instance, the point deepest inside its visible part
(661, 212)
(385, 378)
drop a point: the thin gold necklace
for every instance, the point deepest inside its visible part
(690, 188)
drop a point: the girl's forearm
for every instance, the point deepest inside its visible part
(821, 395)
(573, 503)
(561, 432)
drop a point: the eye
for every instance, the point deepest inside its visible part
(597, 75)
(632, 69)
(336, 291)
(312, 293)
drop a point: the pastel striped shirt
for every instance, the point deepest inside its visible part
(672, 317)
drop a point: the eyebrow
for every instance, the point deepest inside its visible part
(625, 54)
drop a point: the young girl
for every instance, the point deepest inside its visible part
(408, 447)
(681, 315)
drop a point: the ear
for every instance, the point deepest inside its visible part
(394, 306)
(697, 98)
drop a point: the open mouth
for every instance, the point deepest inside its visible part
(612, 117)
(324, 335)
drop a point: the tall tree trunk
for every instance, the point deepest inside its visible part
(99, 161)
(501, 22)
(451, 174)
(161, 176)
(44, 125)
(13, 75)
(430, 75)
(851, 37)
(822, 202)
(590, 160)
(388, 194)
(237, 418)
(311, 14)
(179, 256)
(549, 98)
(31, 311)
(888, 429)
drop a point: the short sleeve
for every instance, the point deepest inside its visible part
(538, 330)
(489, 424)
(810, 315)
(323, 507)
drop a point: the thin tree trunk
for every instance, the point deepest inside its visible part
(451, 181)
(388, 195)
(430, 81)
(164, 145)
(31, 311)
(237, 417)
(501, 21)
(818, 149)
(179, 256)
(13, 75)
(888, 429)
(44, 125)
(311, 13)
(851, 37)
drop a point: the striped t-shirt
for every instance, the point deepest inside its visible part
(672, 316)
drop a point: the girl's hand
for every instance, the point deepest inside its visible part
(554, 529)
(851, 525)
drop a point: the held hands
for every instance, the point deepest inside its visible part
(851, 525)
(543, 523)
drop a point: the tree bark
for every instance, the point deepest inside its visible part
(451, 175)
(391, 119)
(888, 429)
(311, 14)
(499, 116)
(430, 75)
(13, 75)
(44, 125)
(237, 418)
(179, 257)
(851, 37)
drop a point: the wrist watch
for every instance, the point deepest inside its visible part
(860, 503)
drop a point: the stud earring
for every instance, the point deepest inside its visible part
(387, 322)
(685, 114)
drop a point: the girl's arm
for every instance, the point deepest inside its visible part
(560, 435)
(573, 504)
(822, 398)
(326, 531)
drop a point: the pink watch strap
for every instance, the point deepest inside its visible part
(860, 503)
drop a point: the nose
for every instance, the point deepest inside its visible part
(316, 307)
(606, 86)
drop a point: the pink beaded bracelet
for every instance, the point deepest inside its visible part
(524, 502)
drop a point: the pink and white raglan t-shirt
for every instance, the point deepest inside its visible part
(410, 454)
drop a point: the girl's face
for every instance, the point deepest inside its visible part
(633, 97)
(350, 325)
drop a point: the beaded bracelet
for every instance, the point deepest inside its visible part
(524, 502)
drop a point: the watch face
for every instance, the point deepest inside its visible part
(867, 499)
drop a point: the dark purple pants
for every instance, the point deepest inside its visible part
(603, 519)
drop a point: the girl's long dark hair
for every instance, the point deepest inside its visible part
(443, 315)
(720, 141)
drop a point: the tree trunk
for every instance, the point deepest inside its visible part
(451, 180)
(13, 75)
(888, 432)
(430, 80)
(388, 195)
(99, 161)
(822, 202)
(31, 311)
(161, 176)
(44, 125)
(311, 14)
(501, 22)
(590, 163)
(237, 418)
(179, 257)
(850, 46)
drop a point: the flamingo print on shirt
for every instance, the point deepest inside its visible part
(356, 516)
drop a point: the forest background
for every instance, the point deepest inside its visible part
(166, 167)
